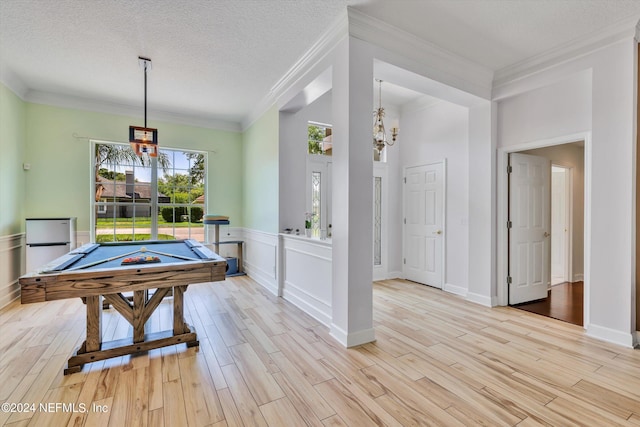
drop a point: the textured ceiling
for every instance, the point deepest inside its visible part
(219, 58)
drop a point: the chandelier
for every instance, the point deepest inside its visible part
(144, 140)
(379, 133)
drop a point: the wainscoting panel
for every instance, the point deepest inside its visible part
(306, 275)
(82, 238)
(260, 258)
(12, 266)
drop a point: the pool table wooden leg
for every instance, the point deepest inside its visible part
(93, 349)
(179, 326)
(93, 341)
(139, 320)
(94, 329)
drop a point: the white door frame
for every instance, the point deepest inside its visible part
(502, 198)
(443, 162)
(568, 218)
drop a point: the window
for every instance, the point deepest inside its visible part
(320, 139)
(142, 199)
(316, 199)
(377, 220)
(181, 194)
(319, 176)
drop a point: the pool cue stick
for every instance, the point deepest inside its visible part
(186, 258)
(100, 261)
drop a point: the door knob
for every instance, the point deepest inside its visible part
(437, 232)
(546, 234)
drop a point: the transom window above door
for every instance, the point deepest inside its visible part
(320, 140)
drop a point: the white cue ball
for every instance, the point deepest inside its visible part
(143, 249)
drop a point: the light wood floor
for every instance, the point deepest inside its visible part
(438, 360)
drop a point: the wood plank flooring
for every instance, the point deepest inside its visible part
(438, 360)
(564, 301)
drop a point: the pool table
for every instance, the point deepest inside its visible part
(107, 270)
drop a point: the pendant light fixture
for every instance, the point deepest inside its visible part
(379, 133)
(144, 140)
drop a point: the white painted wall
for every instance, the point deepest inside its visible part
(560, 108)
(591, 92)
(431, 134)
(482, 204)
(293, 158)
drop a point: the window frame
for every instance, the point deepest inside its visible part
(154, 204)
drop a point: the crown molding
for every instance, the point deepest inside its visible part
(627, 28)
(446, 66)
(318, 51)
(79, 103)
(442, 65)
(13, 82)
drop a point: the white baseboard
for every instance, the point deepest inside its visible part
(307, 303)
(394, 275)
(481, 299)
(578, 277)
(260, 278)
(603, 333)
(354, 338)
(455, 289)
(386, 275)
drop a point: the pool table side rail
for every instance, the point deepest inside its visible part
(39, 287)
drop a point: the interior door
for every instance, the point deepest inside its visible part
(423, 228)
(530, 226)
(559, 225)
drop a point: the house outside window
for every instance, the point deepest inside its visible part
(320, 139)
(147, 199)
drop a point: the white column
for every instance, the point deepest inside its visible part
(352, 240)
(482, 204)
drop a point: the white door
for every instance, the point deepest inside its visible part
(530, 217)
(423, 229)
(559, 224)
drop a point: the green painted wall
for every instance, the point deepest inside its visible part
(243, 167)
(58, 182)
(12, 177)
(260, 155)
